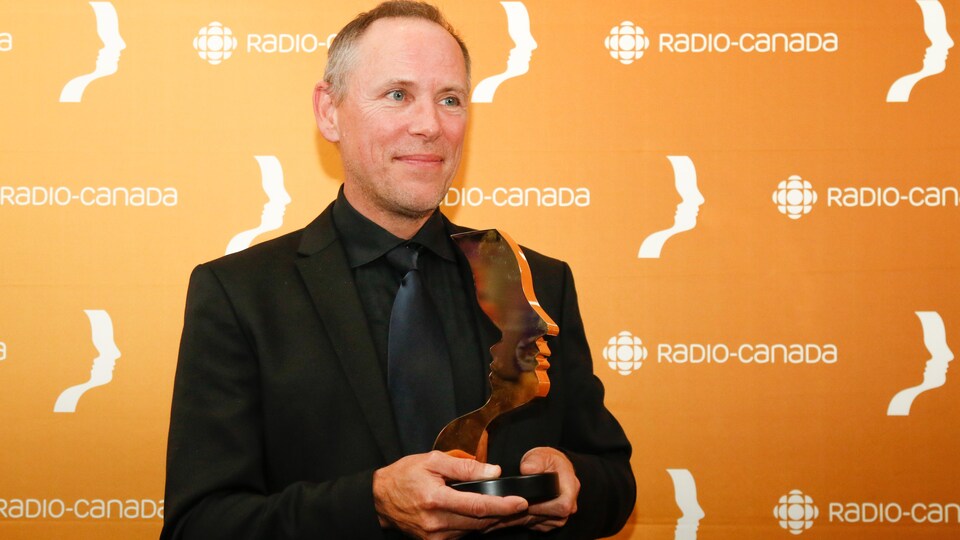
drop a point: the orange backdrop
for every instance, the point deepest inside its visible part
(758, 199)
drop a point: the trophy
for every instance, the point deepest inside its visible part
(518, 370)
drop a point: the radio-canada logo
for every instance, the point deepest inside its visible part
(625, 353)
(794, 197)
(626, 42)
(795, 512)
(215, 43)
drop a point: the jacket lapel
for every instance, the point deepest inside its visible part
(327, 276)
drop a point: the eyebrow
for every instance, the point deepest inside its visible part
(406, 83)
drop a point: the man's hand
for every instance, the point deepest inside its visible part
(554, 513)
(411, 494)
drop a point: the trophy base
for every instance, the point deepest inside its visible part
(535, 488)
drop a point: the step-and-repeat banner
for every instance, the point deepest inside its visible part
(760, 201)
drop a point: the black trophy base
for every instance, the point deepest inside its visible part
(535, 488)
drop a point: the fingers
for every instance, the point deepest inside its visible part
(411, 494)
(481, 506)
(554, 513)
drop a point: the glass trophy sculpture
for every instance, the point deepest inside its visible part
(518, 370)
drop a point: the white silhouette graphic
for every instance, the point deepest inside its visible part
(935, 374)
(102, 372)
(277, 200)
(686, 217)
(934, 60)
(685, 492)
(108, 28)
(518, 26)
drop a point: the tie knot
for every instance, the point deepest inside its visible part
(404, 257)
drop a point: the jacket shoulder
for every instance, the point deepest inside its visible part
(270, 253)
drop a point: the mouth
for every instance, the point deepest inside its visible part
(422, 160)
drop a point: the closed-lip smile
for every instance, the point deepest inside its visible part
(424, 159)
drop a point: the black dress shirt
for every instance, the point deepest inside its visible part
(448, 280)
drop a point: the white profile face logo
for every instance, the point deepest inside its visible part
(935, 57)
(626, 42)
(624, 353)
(685, 493)
(102, 371)
(271, 219)
(794, 197)
(935, 373)
(518, 63)
(685, 219)
(796, 512)
(108, 58)
(215, 43)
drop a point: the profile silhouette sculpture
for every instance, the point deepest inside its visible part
(518, 370)
(935, 373)
(935, 58)
(271, 218)
(685, 493)
(518, 63)
(685, 218)
(108, 28)
(101, 373)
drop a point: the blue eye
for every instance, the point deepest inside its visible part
(450, 101)
(396, 95)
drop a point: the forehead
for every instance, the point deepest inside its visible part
(404, 47)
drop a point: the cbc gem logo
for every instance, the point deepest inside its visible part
(624, 353)
(794, 197)
(626, 42)
(796, 512)
(215, 43)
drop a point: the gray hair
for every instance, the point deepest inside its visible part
(342, 54)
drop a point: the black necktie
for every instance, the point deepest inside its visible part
(418, 363)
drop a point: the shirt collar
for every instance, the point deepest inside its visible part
(364, 241)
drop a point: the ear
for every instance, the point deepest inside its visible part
(325, 111)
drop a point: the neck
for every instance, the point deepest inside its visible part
(400, 225)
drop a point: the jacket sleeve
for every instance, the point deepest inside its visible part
(591, 437)
(215, 485)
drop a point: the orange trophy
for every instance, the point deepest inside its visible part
(518, 370)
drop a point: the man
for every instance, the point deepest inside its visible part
(282, 424)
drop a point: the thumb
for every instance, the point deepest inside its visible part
(537, 460)
(454, 468)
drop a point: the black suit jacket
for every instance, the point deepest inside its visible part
(281, 413)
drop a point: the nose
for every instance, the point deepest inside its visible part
(425, 120)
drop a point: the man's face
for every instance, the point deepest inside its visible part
(401, 124)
